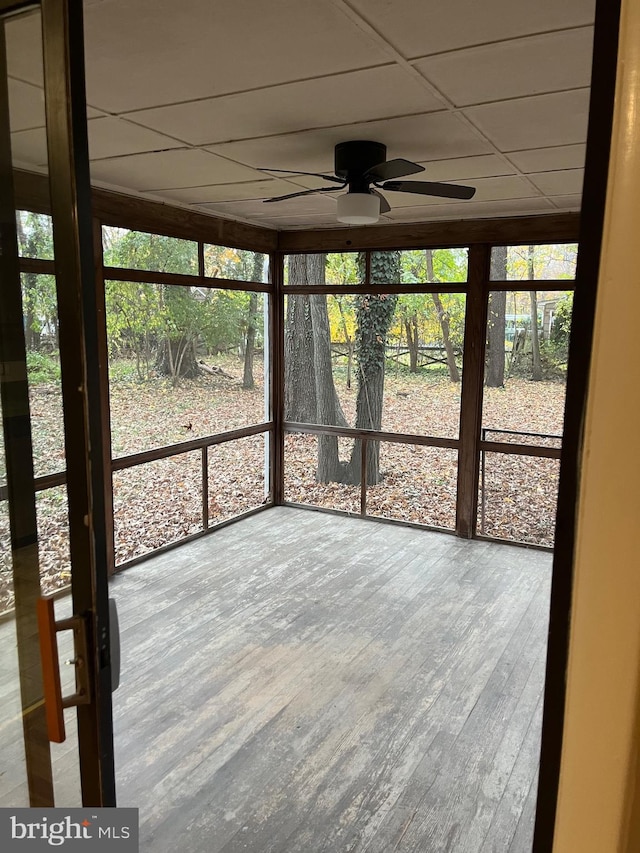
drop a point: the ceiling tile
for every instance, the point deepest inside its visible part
(108, 137)
(420, 138)
(26, 105)
(255, 209)
(230, 192)
(564, 182)
(112, 137)
(486, 189)
(339, 99)
(419, 28)
(504, 207)
(549, 159)
(512, 69)
(465, 168)
(308, 221)
(567, 202)
(30, 146)
(169, 169)
(155, 52)
(24, 47)
(537, 122)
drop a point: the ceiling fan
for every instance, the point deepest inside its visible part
(363, 169)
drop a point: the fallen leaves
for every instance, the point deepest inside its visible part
(161, 502)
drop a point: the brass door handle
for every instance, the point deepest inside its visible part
(55, 702)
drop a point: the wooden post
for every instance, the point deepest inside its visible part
(475, 334)
(105, 409)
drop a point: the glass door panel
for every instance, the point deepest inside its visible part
(48, 550)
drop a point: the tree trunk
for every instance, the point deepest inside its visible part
(347, 337)
(496, 321)
(252, 319)
(299, 340)
(373, 315)
(454, 373)
(536, 374)
(328, 469)
(176, 358)
(411, 331)
(443, 317)
(299, 381)
(250, 341)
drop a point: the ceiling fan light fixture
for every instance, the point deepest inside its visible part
(358, 208)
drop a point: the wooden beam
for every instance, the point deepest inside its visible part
(102, 350)
(554, 228)
(605, 64)
(276, 327)
(475, 334)
(377, 435)
(182, 279)
(140, 214)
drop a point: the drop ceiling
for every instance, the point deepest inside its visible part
(187, 99)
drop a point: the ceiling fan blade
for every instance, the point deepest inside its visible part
(430, 188)
(305, 192)
(311, 174)
(385, 207)
(393, 169)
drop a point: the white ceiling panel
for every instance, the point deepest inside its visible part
(326, 101)
(26, 105)
(419, 28)
(258, 210)
(24, 47)
(537, 122)
(487, 189)
(567, 202)
(153, 52)
(108, 137)
(168, 170)
(565, 182)
(465, 168)
(112, 137)
(473, 210)
(549, 159)
(512, 69)
(30, 146)
(420, 138)
(309, 220)
(231, 192)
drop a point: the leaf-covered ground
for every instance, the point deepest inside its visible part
(160, 502)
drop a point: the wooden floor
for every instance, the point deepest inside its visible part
(301, 682)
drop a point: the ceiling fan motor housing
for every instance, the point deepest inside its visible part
(354, 158)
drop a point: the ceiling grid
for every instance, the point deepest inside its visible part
(188, 101)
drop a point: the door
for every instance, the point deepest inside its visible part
(42, 95)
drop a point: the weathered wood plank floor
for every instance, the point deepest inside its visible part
(306, 682)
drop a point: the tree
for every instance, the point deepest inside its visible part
(299, 379)
(133, 322)
(176, 356)
(496, 321)
(346, 329)
(374, 315)
(252, 320)
(39, 299)
(310, 394)
(561, 328)
(454, 375)
(536, 373)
